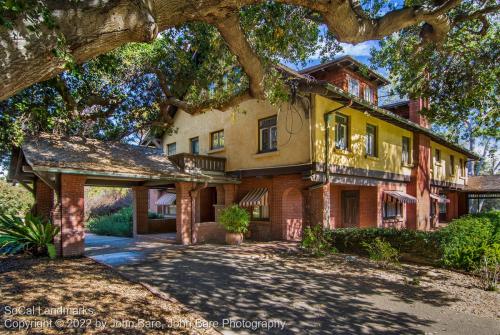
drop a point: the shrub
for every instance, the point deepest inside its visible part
(153, 215)
(31, 234)
(117, 224)
(101, 201)
(464, 241)
(234, 219)
(489, 267)
(381, 252)
(14, 200)
(317, 241)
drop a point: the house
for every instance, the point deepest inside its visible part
(333, 158)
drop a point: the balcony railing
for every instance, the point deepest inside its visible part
(190, 162)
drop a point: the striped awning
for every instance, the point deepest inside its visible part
(255, 197)
(166, 199)
(440, 198)
(400, 196)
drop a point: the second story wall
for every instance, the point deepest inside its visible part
(389, 140)
(241, 135)
(445, 165)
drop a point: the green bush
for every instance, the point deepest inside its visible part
(382, 252)
(116, 224)
(317, 241)
(31, 234)
(14, 200)
(153, 215)
(489, 267)
(464, 241)
(234, 219)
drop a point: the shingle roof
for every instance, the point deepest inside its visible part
(483, 184)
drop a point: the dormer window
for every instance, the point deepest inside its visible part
(368, 94)
(353, 86)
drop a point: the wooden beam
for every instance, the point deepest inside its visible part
(28, 187)
(47, 179)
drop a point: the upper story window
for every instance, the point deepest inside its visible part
(217, 140)
(405, 158)
(171, 149)
(368, 94)
(268, 134)
(353, 86)
(461, 167)
(371, 140)
(341, 131)
(194, 145)
(437, 156)
(452, 165)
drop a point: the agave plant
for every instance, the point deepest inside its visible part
(31, 234)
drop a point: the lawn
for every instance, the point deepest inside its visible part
(79, 295)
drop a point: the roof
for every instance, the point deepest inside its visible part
(91, 157)
(479, 184)
(333, 92)
(351, 64)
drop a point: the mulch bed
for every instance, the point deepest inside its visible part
(80, 296)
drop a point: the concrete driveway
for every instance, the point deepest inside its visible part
(264, 287)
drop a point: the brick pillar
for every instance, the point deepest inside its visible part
(140, 209)
(319, 206)
(44, 200)
(184, 212)
(463, 204)
(452, 207)
(69, 214)
(418, 215)
(415, 106)
(229, 194)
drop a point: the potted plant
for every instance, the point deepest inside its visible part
(235, 221)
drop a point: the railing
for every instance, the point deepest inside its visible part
(189, 162)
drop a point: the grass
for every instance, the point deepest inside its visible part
(97, 291)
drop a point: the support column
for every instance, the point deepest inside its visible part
(229, 194)
(418, 215)
(44, 200)
(184, 212)
(140, 210)
(69, 214)
(452, 207)
(319, 209)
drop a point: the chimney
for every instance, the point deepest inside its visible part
(415, 106)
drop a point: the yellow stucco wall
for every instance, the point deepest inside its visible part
(441, 170)
(389, 140)
(241, 135)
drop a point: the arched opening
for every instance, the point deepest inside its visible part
(292, 214)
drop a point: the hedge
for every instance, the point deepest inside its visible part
(116, 224)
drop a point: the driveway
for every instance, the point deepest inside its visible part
(265, 285)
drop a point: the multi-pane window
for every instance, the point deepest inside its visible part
(371, 140)
(437, 156)
(341, 131)
(268, 134)
(452, 165)
(171, 149)
(353, 86)
(392, 209)
(368, 94)
(406, 150)
(260, 212)
(194, 145)
(217, 140)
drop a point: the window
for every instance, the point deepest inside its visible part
(461, 167)
(437, 156)
(452, 165)
(268, 134)
(393, 209)
(368, 94)
(171, 149)
(194, 145)
(433, 208)
(353, 86)
(371, 140)
(406, 151)
(217, 140)
(341, 131)
(260, 212)
(442, 205)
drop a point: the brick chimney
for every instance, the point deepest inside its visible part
(415, 106)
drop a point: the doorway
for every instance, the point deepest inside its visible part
(208, 198)
(350, 208)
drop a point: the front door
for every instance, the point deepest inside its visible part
(350, 208)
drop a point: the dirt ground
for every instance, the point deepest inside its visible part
(41, 296)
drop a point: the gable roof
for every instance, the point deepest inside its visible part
(351, 64)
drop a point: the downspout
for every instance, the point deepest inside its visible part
(327, 117)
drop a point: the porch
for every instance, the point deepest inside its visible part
(57, 169)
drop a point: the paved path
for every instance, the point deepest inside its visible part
(253, 283)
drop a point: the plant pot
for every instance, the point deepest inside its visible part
(234, 238)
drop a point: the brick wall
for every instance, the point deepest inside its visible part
(184, 212)
(208, 232)
(140, 209)
(452, 207)
(415, 106)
